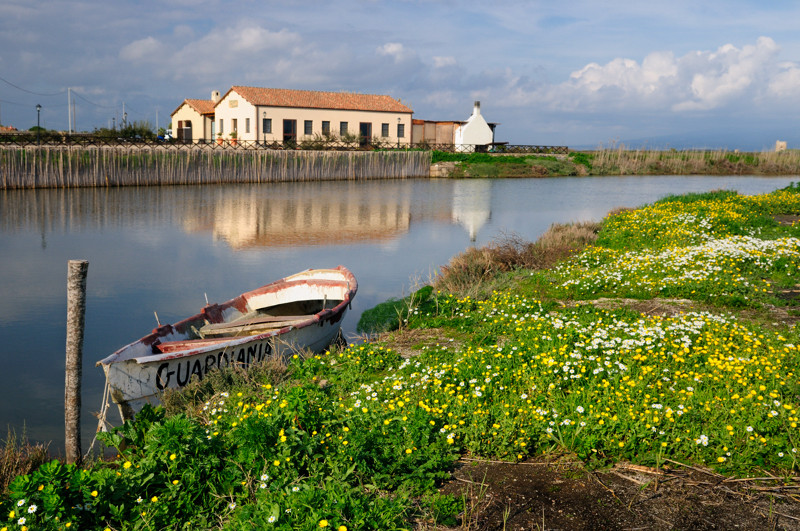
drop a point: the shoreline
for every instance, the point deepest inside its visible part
(609, 383)
(615, 162)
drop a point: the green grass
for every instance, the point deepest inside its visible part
(361, 436)
(622, 161)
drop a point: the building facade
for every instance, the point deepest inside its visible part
(432, 133)
(474, 134)
(283, 115)
(193, 120)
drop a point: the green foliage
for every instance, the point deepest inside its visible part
(582, 158)
(716, 247)
(487, 158)
(362, 436)
(389, 315)
(444, 508)
(487, 165)
(139, 130)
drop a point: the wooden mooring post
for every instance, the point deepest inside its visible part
(76, 309)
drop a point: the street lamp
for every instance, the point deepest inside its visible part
(38, 113)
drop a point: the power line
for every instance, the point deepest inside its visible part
(54, 94)
(30, 91)
(49, 105)
(91, 102)
(16, 103)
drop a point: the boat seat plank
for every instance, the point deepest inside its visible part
(256, 320)
(237, 329)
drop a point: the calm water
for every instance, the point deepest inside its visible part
(164, 249)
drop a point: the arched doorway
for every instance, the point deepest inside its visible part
(185, 131)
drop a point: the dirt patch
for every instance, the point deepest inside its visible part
(408, 343)
(660, 307)
(673, 307)
(564, 495)
(787, 219)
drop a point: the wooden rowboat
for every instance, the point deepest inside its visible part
(302, 311)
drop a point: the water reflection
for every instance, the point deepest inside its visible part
(472, 202)
(305, 215)
(251, 216)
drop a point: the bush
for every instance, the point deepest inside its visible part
(473, 271)
(18, 457)
(388, 315)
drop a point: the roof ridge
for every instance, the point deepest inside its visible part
(317, 91)
(318, 99)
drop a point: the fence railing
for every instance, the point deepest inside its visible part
(29, 139)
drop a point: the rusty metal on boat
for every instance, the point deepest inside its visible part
(301, 311)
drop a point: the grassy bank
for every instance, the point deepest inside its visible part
(669, 338)
(621, 161)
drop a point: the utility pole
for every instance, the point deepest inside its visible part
(69, 111)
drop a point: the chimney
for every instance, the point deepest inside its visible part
(215, 96)
(477, 109)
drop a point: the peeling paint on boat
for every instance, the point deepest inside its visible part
(172, 354)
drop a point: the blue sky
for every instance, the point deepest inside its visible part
(579, 73)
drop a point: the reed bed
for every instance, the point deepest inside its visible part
(19, 456)
(474, 273)
(621, 161)
(70, 166)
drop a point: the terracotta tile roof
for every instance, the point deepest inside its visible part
(310, 99)
(201, 106)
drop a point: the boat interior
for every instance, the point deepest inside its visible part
(258, 321)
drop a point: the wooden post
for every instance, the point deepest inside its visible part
(76, 308)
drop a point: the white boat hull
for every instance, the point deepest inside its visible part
(138, 373)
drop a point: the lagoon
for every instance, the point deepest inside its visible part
(163, 250)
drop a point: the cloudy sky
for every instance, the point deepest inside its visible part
(583, 73)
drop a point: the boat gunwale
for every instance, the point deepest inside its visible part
(239, 303)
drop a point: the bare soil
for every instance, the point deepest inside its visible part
(563, 495)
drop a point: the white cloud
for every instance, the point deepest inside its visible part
(441, 98)
(786, 82)
(698, 80)
(729, 73)
(228, 54)
(142, 49)
(395, 50)
(441, 62)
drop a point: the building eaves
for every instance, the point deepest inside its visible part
(203, 107)
(309, 99)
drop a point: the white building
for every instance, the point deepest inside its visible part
(193, 120)
(283, 115)
(475, 133)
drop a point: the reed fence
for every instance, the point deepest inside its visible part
(55, 165)
(622, 161)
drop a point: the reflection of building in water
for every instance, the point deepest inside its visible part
(305, 215)
(472, 204)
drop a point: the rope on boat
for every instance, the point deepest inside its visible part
(102, 422)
